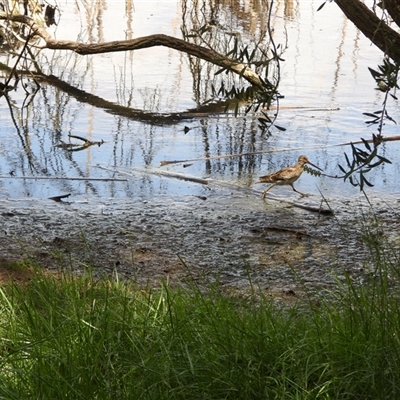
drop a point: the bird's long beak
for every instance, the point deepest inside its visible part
(315, 166)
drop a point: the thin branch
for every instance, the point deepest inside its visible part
(65, 178)
(254, 153)
(204, 53)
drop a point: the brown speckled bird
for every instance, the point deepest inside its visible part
(286, 176)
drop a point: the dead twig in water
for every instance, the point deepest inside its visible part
(64, 178)
(87, 141)
(319, 210)
(59, 198)
(254, 153)
(156, 172)
(78, 147)
(163, 163)
(182, 177)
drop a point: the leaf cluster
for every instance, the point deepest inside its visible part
(363, 161)
(311, 171)
(366, 158)
(386, 77)
(264, 59)
(255, 97)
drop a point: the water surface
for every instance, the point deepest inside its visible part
(326, 87)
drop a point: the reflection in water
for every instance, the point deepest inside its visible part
(226, 26)
(229, 27)
(340, 54)
(290, 9)
(94, 20)
(163, 81)
(129, 9)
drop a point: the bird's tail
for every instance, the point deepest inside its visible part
(264, 179)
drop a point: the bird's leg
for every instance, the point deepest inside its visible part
(266, 190)
(302, 194)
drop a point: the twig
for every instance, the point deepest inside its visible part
(163, 163)
(254, 153)
(180, 176)
(381, 139)
(13, 71)
(60, 197)
(61, 178)
(80, 138)
(157, 172)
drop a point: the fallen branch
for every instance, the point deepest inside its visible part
(163, 163)
(156, 172)
(144, 42)
(64, 178)
(179, 176)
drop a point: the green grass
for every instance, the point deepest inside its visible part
(76, 337)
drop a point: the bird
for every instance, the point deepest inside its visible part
(286, 176)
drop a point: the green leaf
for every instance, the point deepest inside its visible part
(347, 160)
(220, 71)
(366, 144)
(369, 115)
(320, 7)
(385, 160)
(375, 74)
(364, 180)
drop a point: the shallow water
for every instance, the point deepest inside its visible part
(131, 211)
(325, 92)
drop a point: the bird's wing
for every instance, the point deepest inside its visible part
(283, 174)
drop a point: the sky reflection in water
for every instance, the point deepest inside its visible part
(325, 82)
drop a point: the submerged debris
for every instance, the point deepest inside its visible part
(78, 147)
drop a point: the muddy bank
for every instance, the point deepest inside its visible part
(230, 236)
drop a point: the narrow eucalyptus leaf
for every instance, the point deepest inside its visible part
(243, 71)
(220, 71)
(252, 55)
(347, 160)
(366, 181)
(375, 74)
(375, 164)
(385, 160)
(366, 144)
(369, 115)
